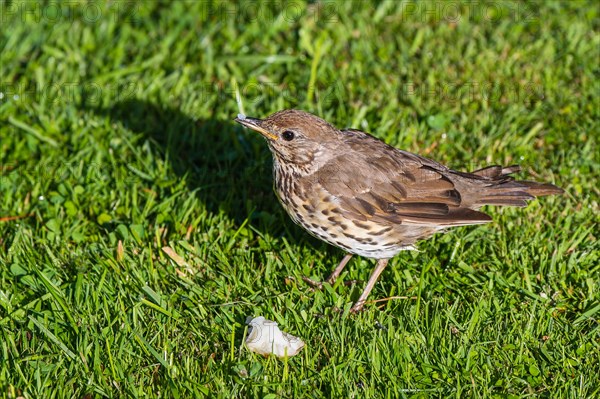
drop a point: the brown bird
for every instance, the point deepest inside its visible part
(367, 198)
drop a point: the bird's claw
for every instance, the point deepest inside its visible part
(317, 285)
(358, 307)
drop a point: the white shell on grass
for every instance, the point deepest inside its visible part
(265, 338)
(241, 117)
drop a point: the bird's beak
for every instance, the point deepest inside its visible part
(255, 124)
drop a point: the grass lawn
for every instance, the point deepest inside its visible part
(139, 228)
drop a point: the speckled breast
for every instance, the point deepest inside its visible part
(321, 215)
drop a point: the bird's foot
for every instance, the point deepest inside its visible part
(317, 285)
(358, 306)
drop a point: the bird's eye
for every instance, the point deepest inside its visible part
(288, 135)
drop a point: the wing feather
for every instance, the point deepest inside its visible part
(397, 187)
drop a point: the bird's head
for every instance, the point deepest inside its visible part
(294, 137)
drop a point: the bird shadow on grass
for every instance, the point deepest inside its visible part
(228, 168)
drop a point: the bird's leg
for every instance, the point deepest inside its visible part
(338, 270)
(334, 275)
(381, 264)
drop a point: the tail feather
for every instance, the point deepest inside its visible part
(540, 189)
(499, 188)
(493, 171)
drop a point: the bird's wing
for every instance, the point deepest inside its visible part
(373, 181)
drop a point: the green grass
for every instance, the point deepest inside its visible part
(117, 141)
